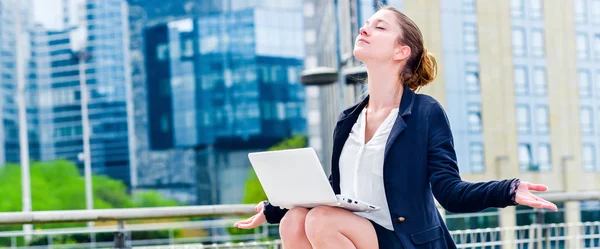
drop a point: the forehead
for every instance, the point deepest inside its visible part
(383, 15)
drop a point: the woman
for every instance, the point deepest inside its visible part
(394, 149)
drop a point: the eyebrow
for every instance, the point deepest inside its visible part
(376, 20)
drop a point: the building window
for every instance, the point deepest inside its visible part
(544, 157)
(523, 121)
(517, 8)
(525, 162)
(590, 212)
(536, 9)
(187, 48)
(164, 122)
(474, 113)
(526, 216)
(537, 43)
(309, 9)
(542, 121)
(539, 81)
(597, 83)
(488, 218)
(580, 11)
(165, 86)
(585, 83)
(582, 47)
(472, 78)
(162, 52)
(292, 74)
(468, 6)
(310, 36)
(586, 119)
(518, 42)
(520, 80)
(596, 11)
(597, 47)
(476, 156)
(589, 157)
(470, 37)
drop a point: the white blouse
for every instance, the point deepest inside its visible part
(361, 167)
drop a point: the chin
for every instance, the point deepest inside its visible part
(361, 54)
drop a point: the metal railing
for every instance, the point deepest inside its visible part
(533, 236)
(119, 232)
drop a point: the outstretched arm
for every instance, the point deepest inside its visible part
(459, 196)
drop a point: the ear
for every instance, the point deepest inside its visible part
(401, 52)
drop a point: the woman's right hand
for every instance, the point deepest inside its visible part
(254, 221)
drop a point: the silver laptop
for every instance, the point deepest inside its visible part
(295, 178)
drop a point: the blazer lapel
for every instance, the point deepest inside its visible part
(405, 109)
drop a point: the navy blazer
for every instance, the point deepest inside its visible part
(419, 160)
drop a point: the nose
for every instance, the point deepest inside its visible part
(363, 31)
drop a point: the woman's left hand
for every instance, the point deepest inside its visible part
(526, 198)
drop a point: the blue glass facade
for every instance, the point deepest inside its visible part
(219, 80)
(222, 84)
(8, 82)
(9, 126)
(55, 75)
(107, 32)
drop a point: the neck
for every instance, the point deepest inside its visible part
(385, 88)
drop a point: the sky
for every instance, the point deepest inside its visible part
(49, 13)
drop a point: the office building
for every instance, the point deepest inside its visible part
(218, 86)
(9, 127)
(102, 31)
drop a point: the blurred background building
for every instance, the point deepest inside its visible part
(99, 27)
(218, 84)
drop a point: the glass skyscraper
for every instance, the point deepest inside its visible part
(9, 127)
(220, 85)
(55, 75)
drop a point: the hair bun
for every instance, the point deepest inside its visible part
(426, 70)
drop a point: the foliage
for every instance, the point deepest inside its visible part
(58, 185)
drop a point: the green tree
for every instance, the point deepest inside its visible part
(58, 185)
(254, 192)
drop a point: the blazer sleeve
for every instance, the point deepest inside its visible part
(452, 193)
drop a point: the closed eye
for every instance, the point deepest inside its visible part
(380, 28)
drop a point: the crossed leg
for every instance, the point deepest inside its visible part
(326, 227)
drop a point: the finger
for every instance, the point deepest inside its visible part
(250, 225)
(532, 203)
(258, 207)
(537, 187)
(246, 221)
(549, 205)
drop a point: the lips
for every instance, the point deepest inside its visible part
(363, 40)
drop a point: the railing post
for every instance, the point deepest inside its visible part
(120, 236)
(49, 238)
(92, 240)
(13, 242)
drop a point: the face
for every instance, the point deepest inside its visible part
(378, 39)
